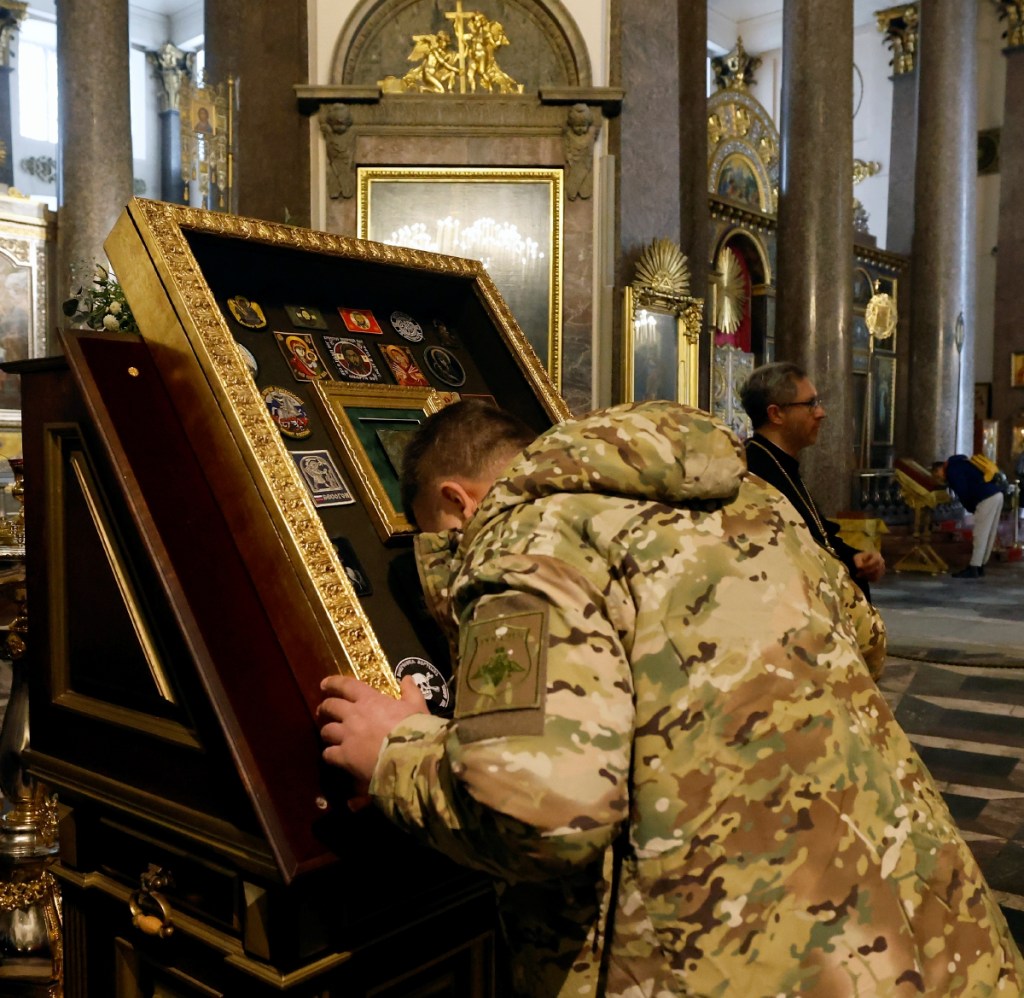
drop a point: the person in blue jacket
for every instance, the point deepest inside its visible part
(979, 494)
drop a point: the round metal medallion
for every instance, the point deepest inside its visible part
(407, 327)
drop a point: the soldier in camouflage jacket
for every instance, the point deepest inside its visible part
(668, 746)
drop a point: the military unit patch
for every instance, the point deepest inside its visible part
(288, 412)
(429, 680)
(502, 664)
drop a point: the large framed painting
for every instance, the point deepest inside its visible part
(508, 219)
(372, 424)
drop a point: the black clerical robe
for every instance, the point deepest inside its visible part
(782, 470)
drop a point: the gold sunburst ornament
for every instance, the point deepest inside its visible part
(732, 292)
(662, 268)
(880, 316)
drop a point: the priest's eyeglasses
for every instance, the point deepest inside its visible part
(815, 403)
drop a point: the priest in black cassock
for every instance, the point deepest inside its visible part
(786, 413)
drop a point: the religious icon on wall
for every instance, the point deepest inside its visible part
(247, 312)
(445, 366)
(305, 317)
(403, 366)
(205, 120)
(352, 359)
(288, 412)
(322, 478)
(359, 320)
(300, 352)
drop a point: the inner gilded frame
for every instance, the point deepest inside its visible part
(508, 219)
(369, 423)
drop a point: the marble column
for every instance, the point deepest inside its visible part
(695, 218)
(1008, 402)
(645, 139)
(815, 268)
(95, 171)
(12, 13)
(266, 52)
(172, 68)
(899, 25)
(940, 413)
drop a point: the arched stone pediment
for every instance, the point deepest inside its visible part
(545, 46)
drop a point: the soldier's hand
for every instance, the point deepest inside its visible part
(356, 719)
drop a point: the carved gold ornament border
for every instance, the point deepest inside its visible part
(163, 227)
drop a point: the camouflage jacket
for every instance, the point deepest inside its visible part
(668, 745)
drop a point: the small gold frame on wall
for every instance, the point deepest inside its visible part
(661, 325)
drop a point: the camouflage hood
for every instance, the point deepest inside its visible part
(648, 450)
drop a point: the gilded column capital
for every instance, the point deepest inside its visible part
(12, 13)
(899, 25)
(170, 66)
(1012, 11)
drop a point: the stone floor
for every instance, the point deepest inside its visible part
(955, 680)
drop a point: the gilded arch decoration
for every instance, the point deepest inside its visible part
(544, 49)
(743, 142)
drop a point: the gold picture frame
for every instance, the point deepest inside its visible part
(510, 219)
(662, 349)
(662, 325)
(358, 416)
(1016, 369)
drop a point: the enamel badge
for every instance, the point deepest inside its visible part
(288, 412)
(407, 327)
(322, 478)
(246, 312)
(445, 366)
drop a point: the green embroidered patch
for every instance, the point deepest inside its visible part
(501, 666)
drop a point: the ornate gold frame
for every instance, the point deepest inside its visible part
(337, 400)
(657, 306)
(174, 305)
(421, 188)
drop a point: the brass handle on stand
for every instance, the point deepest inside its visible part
(142, 902)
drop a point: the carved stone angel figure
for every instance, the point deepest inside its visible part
(577, 141)
(336, 128)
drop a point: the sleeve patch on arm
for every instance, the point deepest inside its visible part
(502, 665)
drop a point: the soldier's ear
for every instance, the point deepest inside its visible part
(459, 498)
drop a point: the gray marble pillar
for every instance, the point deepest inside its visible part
(645, 138)
(695, 219)
(815, 270)
(899, 25)
(1007, 401)
(173, 69)
(95, 172)
(940, 409)
(271, 167)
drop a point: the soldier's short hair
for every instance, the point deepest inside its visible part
(769, 384)
(463, 439)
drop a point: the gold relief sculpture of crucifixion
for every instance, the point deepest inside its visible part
(471, 64)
